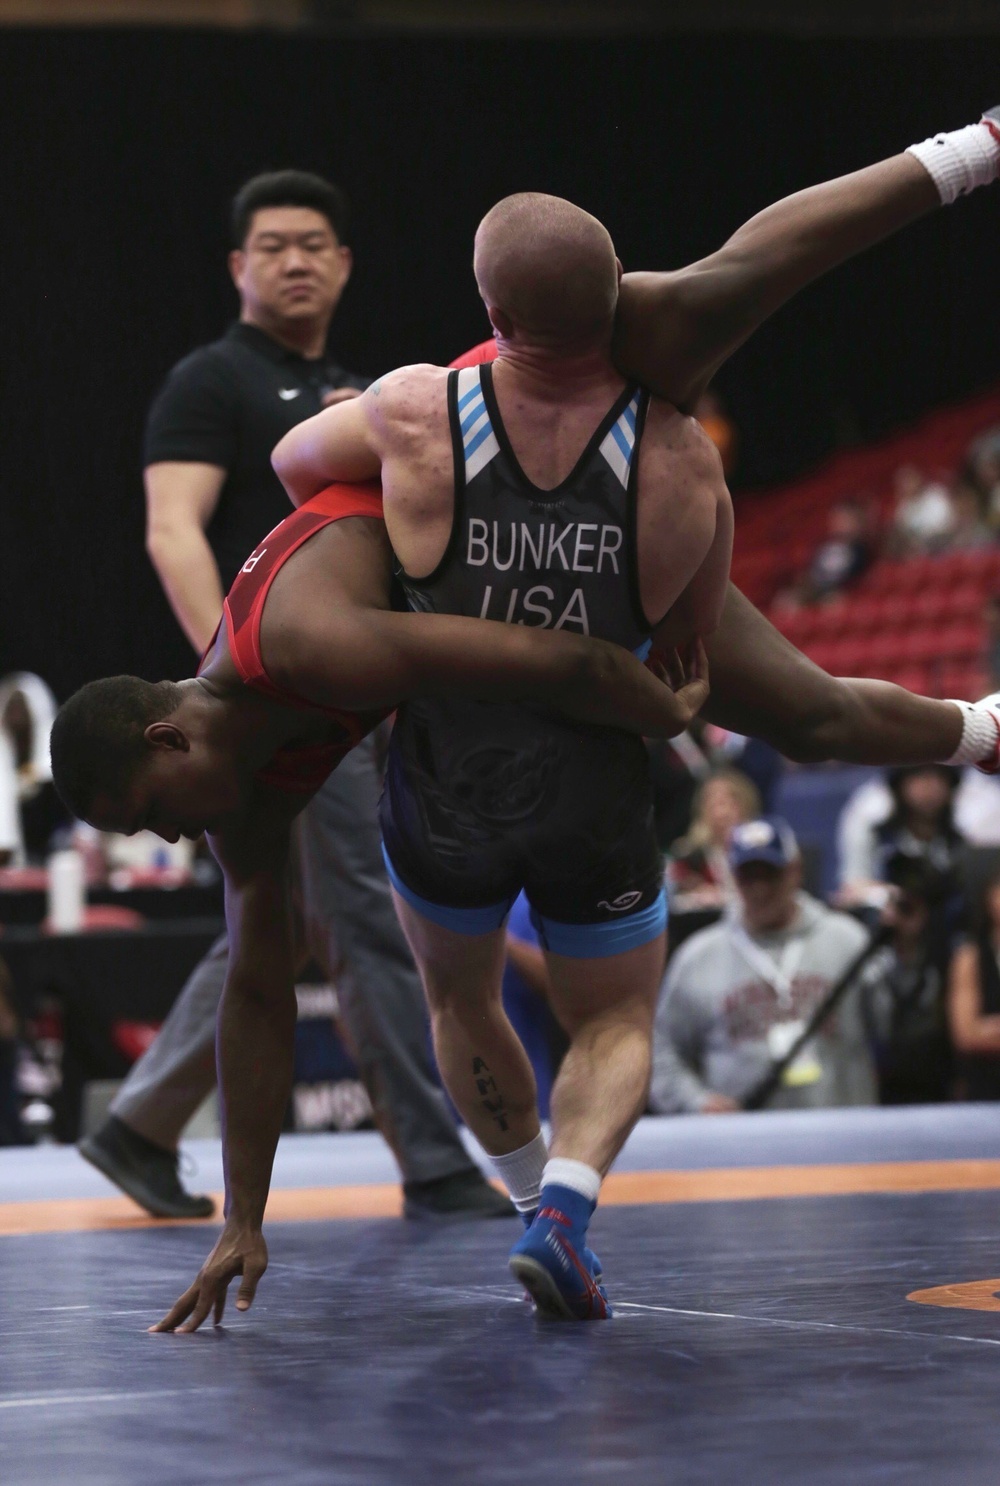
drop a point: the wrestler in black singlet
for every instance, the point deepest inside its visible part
(483, 799)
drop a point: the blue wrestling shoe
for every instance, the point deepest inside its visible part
(588, 1256)
(554, 1264)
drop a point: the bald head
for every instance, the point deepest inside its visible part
(549, 268)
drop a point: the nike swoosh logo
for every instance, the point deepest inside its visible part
(287, 393)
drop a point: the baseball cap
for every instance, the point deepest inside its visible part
(769, 839)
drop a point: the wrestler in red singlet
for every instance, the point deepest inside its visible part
(301, 768)
(297, 768)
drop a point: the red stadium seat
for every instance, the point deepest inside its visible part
(929, 606)
(981, 566)
(916, 572)
(966, 600)
(964, 681)
(864, 615)
(855, 660)
(897, 610)
(882, 578)
(920, 646)
(877, 654)
(960, 641)
(831, 620)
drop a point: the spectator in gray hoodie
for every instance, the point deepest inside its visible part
(737, 995)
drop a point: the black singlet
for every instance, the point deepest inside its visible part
(482, 798)
(558, 559)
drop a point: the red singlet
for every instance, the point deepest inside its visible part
(485, 351)
(302, 767)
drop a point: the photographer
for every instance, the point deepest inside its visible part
(973, 1004)
(903, 987)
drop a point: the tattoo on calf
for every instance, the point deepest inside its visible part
(490, 1096)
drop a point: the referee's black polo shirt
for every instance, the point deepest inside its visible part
(229, 404)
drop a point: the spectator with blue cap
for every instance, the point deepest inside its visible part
(737, 995)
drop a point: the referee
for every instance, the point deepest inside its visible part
(211, 497)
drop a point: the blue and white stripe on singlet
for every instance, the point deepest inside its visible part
(619, 442)
(478, 439)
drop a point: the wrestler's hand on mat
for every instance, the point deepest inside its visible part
(687, 677)
(241, 1250)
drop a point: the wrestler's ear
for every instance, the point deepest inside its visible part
(168, 736)
(502, 324)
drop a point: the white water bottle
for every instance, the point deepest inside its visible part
(67, 892)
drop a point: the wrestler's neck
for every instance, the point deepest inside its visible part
(237, 721)
(555, 372)
(305, 336)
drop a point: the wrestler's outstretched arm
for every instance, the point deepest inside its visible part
(255, 1049)
(762, 686)
(674, 330)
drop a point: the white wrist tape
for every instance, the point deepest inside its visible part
(960, 161)
(979, 735)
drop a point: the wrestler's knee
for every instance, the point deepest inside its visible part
(457, 995)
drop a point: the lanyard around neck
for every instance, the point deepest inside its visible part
(778, 972)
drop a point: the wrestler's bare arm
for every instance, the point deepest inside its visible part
(365, 658)
(255, 1048)
(336, 444)
(762, 686)
(387, 426)
(674, 330)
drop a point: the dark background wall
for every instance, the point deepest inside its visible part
(121, 150)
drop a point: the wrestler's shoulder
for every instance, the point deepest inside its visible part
(415, 375)
(403, 399)
(407, 383)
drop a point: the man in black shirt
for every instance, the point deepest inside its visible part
(225, 403)
(211, 496)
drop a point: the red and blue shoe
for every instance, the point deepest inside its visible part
(555, 1266)
(591, 1260)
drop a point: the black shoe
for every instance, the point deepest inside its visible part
(147, 1172)
(464, 1194)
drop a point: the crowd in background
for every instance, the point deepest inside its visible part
(916, 903)
(931, 513)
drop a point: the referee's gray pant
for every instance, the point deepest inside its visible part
(349, 912)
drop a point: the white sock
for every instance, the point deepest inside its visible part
(521, 1172)
(560, 1171)
(979, 734)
